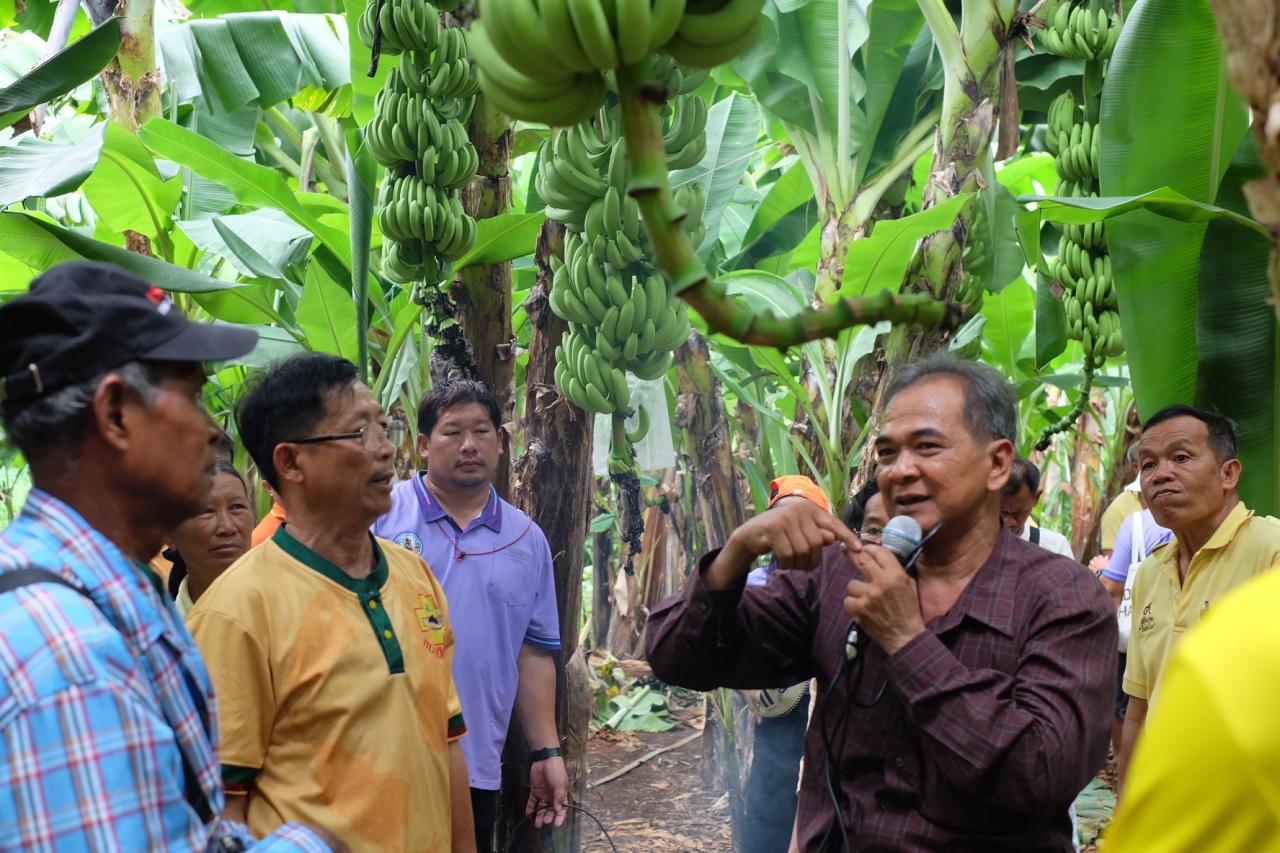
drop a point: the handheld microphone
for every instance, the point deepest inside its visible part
(904, 537)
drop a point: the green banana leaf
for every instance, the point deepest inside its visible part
(790, 191)
(258, 244)
(880, 261)
(127, 191)
(1165, 202)
(1169, 119)
(327, 315)
(40, 244)
(258, 58)
(502, 238)
(62, 72)
(254, 185)
(733, 126)
(1010, 320)
(1237, 372)
(38, 167)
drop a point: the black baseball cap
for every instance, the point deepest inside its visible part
(83, 318)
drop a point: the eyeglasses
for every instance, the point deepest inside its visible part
(370, 435)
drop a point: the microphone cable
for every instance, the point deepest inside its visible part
(515, 835)
(855, 641)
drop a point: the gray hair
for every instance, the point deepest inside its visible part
(58, 420)
(990, 409)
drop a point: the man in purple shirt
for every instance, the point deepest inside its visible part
(974, 707)
(495, 566)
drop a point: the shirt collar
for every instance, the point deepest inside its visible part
(989, 596)
(1221, 537)
(432, 511)
(370, 584)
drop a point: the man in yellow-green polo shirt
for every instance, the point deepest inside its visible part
(1189, 470)
(331, 651)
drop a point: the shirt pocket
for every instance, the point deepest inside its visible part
(510, 586)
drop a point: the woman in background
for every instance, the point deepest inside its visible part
(206, 544)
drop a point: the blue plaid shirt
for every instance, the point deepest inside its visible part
(100, 702)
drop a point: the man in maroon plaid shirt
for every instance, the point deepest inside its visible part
(978, 706)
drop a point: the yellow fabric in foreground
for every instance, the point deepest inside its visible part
(1125, 505)
(309, 696)
(1205, 776)
(1244, 545)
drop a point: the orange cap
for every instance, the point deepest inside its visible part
(797, 484)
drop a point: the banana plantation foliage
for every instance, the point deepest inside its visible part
(684, 241)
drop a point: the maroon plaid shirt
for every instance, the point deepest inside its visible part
(986, 727)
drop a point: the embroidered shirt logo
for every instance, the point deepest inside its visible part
(431, 623)
(1148, 621)
(409, 540)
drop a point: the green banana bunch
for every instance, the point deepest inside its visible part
(1083, 264)
(543, 60)
(418, 132)
(623, 315)
(1078, 32)
(405, 24)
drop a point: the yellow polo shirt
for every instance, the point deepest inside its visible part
(1125, 505)
(336, 695)
(1206, 771)
(1244, 545)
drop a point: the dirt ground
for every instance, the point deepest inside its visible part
(667, 806)
(662, 806)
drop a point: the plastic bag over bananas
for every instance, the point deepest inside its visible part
(543, 60)
(1083, 265)
(418, 133)
(622, 314)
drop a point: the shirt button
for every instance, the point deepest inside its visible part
(387, 633)
(373, 604)
(899, 762)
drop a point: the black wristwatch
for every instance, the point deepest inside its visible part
(543, 754)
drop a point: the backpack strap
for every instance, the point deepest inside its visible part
(10, 581)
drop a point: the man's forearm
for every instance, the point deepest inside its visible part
(1115, 589)
(236, 808)
(536, 697)
(1134, 718)
(729, 567)
(462, 822)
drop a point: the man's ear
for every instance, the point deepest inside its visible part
(421, 444)
(286, 459)
(1001, 454)
(504, 440)
(1231, 473)
(110, 399)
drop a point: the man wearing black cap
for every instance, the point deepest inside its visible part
(108, 729)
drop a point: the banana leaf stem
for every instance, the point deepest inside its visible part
(641, 100)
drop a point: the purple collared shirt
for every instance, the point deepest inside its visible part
(500, 586)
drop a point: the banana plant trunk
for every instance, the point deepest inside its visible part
(549, 484)
(1250, 30)
(483, 293)
(719, 506)
(973, 59)
(132, 80)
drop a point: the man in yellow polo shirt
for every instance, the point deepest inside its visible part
(1189, 470)
(1206, 774)
(331, 651)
